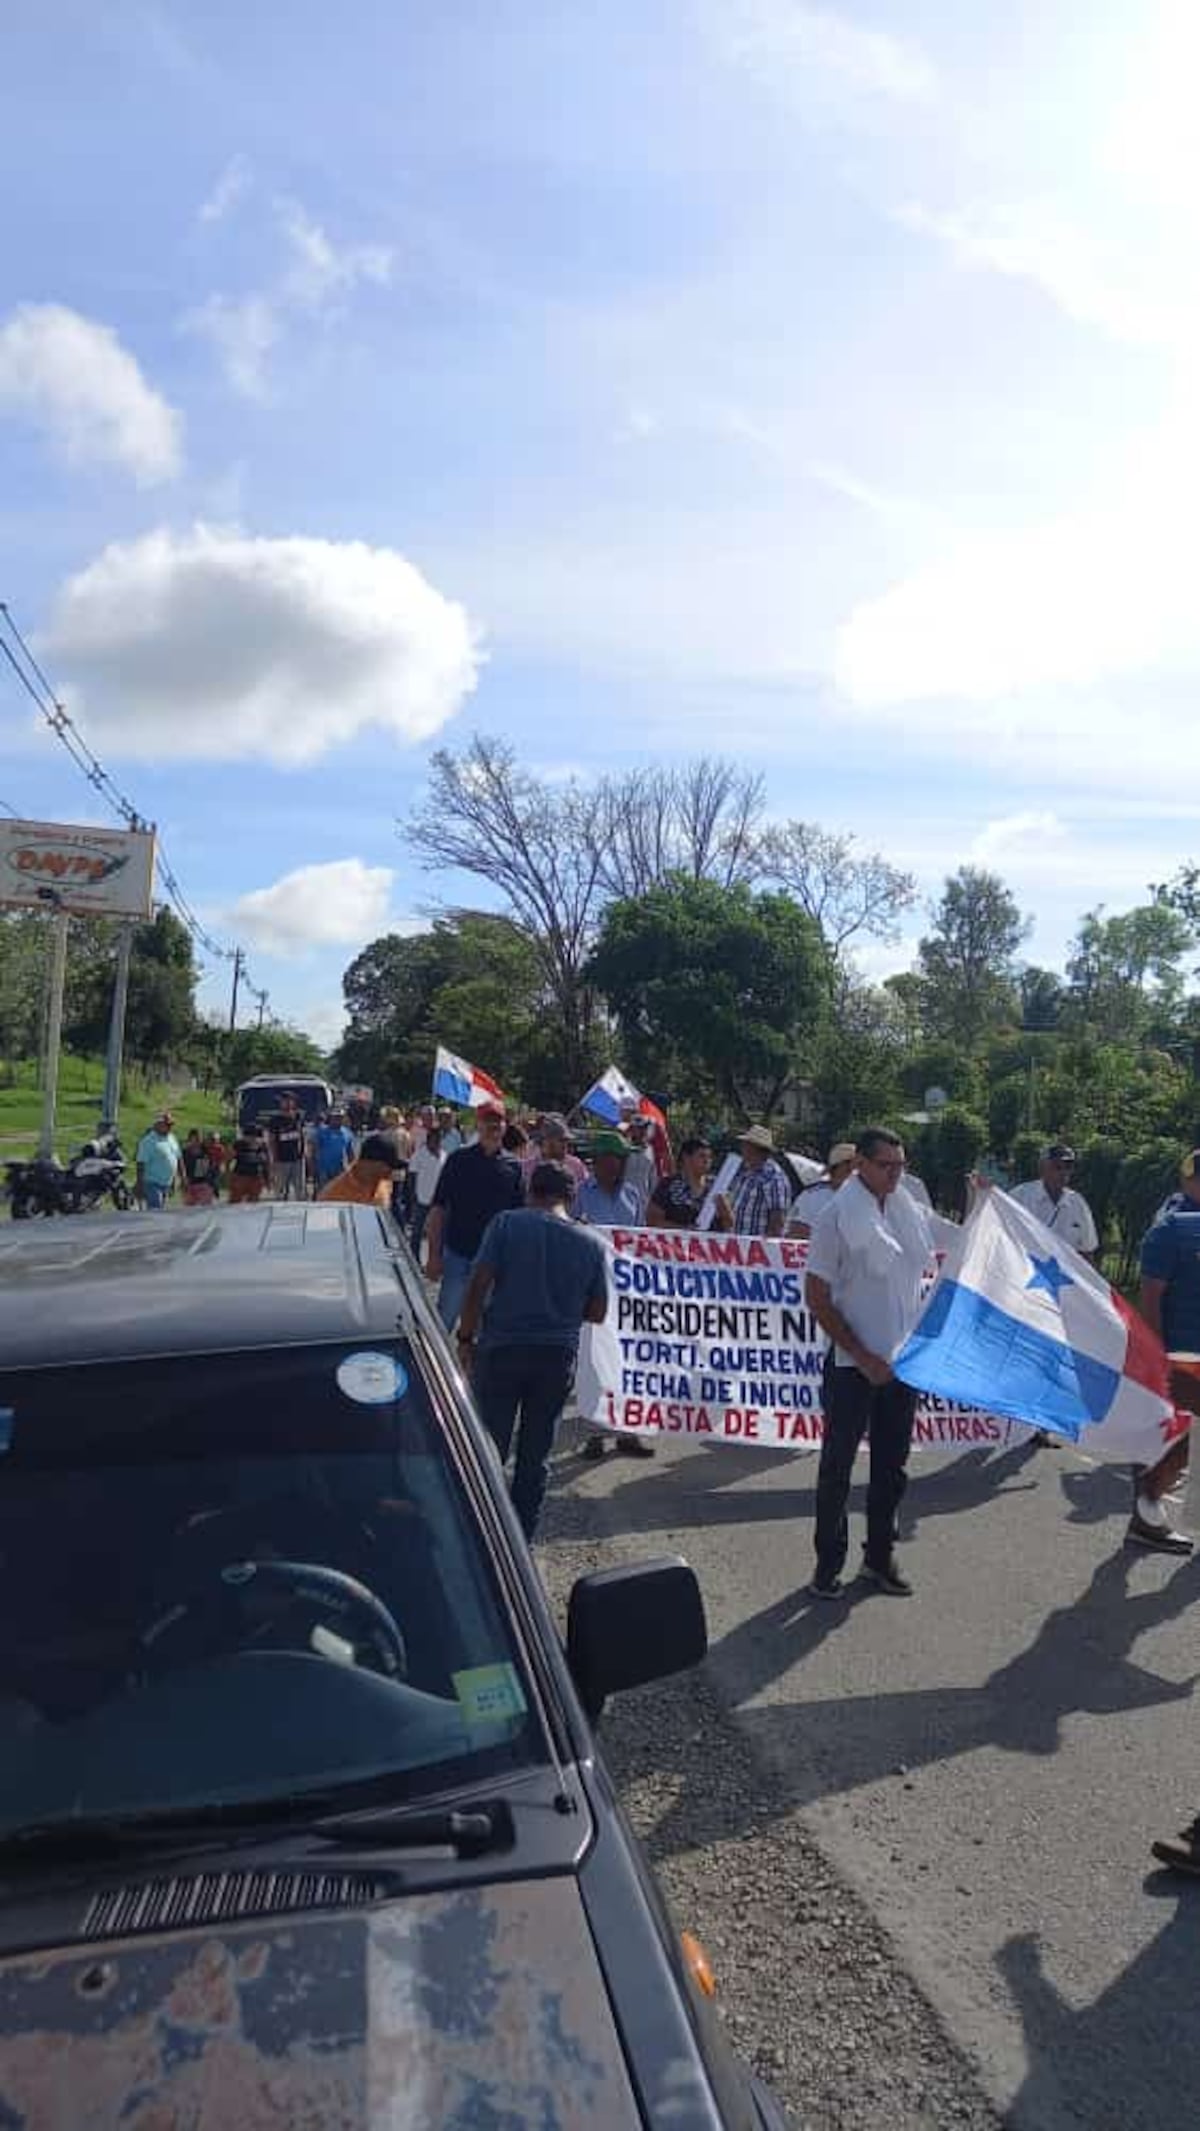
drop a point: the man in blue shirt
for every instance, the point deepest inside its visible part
(1170, 1304)
(607, 1199)
(541, 1278)
(332, 1148)
(158, 1158)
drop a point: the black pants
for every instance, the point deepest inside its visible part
(852, 1408)
(534, 1383)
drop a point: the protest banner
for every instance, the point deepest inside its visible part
(708, 1337)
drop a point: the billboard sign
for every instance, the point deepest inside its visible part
(107, 873)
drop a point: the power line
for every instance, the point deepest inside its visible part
(40, 691)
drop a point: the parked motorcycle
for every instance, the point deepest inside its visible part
(43, 1186)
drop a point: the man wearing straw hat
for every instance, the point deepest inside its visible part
(761, 1192)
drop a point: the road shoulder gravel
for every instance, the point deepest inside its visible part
(814, 1994)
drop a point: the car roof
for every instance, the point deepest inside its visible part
(95, 1288)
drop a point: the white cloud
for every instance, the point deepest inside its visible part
(324, 1020)
(214, 645)
(815, 55)
(1016, 836)
(338, 904)
(320, 269)
(1135, 296)
(72, 377)
(1064, 604)
(245, 331)
(231, 187)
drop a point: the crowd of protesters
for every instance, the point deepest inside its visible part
(500, 1207)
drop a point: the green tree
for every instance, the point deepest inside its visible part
(160, 1015)
(557, 852)
(950, 1150)
(717, 987)
(275, 1049)
(967, 961)
(24, 942)
(1125, 970)
(1042, 996)
(473, 982)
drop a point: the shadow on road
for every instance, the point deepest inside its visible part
(637, 1504)
(1096, 1492)
(965, 1483)
(1080, 2060)
(1079, 1663)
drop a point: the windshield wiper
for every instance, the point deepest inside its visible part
(467, 1831)
(463, 1831)
(94, 1834)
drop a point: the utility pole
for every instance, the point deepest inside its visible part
(116, 1029)
(262, 1007)
(54, 1017)
(238, 960)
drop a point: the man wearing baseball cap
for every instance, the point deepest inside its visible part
(607, 1200)
(158, 1157)
(552, 1143)
(816, 1197)
(477, 1182)
(1052, 1200)
(369, 1179)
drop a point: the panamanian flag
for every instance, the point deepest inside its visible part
(460, 1083)
(613, 1097)
(1019, 1324)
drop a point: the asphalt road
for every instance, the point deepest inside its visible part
(984, 1763)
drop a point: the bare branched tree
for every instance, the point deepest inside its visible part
(700, 819)
(851, 893)
(486, 816)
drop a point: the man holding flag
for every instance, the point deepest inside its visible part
(867, 1259)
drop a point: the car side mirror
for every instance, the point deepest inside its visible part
(630, 1625)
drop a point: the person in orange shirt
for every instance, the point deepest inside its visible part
(368, 1181)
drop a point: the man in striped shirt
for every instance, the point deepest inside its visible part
(761, 1192)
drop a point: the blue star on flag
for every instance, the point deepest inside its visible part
(1048, 1273)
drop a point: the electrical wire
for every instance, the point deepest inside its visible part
(53, 711)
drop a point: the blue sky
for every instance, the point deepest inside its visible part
(812, 385)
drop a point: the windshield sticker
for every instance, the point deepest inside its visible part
(489, 1694)
(8, 1415)
(372, 1379)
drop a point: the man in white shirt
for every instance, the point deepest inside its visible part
(424, 1170)
(817, 1196)
(641, 1169)
(866, 1262)
(1051, 1200)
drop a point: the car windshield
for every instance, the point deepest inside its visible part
(262, 1099)
(239, 1577)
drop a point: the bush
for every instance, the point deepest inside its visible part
(956, 1143)
(1026, 1155)
(1145, 1178)
(1097, 1177)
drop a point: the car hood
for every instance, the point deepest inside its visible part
(484, 2006)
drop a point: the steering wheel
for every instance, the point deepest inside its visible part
(249, 1587)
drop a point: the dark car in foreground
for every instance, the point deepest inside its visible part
(302, 1821)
